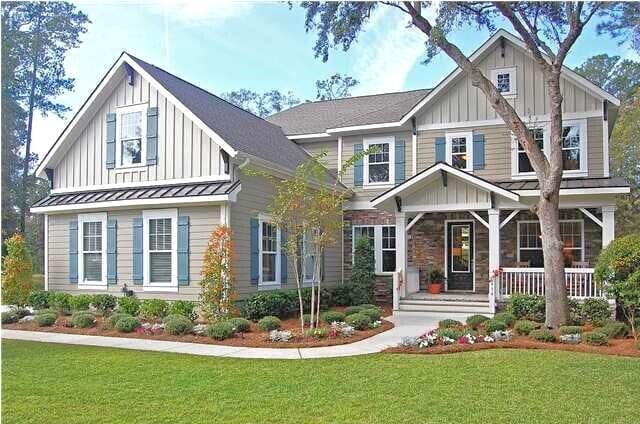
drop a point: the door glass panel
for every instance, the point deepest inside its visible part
(460, 248)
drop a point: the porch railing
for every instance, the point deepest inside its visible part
(579, 281)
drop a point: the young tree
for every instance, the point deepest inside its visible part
(619, 77)
(261, 104)
(16, 272)
(336, 86)
(363, 273)
(217, 291)
(549, 30)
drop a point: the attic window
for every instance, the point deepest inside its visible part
(130, 148)
(505, 81)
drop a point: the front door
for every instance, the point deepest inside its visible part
(460, 260)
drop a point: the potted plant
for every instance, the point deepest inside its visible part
(436, 278)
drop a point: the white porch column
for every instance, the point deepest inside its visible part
(608, 224)
(494, 254)
(399, 286)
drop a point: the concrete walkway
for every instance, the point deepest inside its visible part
(405, 325)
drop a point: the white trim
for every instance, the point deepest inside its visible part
(446, 252)
(448, 207)
(92, 217)
(578, 191)
(160, 214)
(414, 153)
(141, 184)
(364, 127)
(357, 205)
(414, 221)
(509, 218)
(266, 219)
(605, 145)
(468, 136)
(498, 121)
(306, 136)
(592, 217)
(339, 157)
(46, 252)
(529, 221)
(122, 110)
(513, 86)
(377, 244)
(479, 218)
(366, 143)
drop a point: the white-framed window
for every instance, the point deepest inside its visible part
(574, 149)
(460, 150)
(269, 256)
(160, 247)
(131, 133)
(383, 240)
(379, 167)
(309, 256)
(92, 249)
(530, 242)
(505, 81)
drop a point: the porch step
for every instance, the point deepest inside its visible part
(450, 306)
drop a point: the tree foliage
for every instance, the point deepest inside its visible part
(623, 24)
(363, 273)
(336, 86)
(261, 104)
(619, 77)
(17, 272)
(217, 291)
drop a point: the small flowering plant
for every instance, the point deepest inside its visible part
(434, 338)
(340, 329)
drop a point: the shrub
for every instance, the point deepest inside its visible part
(319, 332)
(45, 319)
(359, 321)
(59, 302)
(615, 329)
(575, 312)
(494, 325)
(17, 271)
(570, 329)
(113, 319)
(153, 309)
(83, 319)
(241, 325)
(363, 273)
(275, 303)
(350, 310)
(9, 317)
(269, 323)
(449, 323)
(333, 316)
(525, 306)
(506, 317)
(129, 305)
(373, 314)
(80, 302)
(217, 287)
(341, 295)
(595, 310)
(524, 327)
(183, 307)
(474, 321)
(451, 332)
(127, 324)
(220, 330)
(177, 325)
(38, 299)
(369, 306)
(20, 312)
(595, 338)
(104, 303)
(543, 335)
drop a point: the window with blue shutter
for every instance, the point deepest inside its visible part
(112, 251)
(358, 175)
(152, 136)
(441, 149)
(254, 225)
(183, 250)
(138, 271)
(111, 141)
(73, 252)
(399, 159)
(478, 151)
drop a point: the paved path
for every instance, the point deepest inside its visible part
(405, 325)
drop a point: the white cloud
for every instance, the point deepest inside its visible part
(45, 132)
(201, 12)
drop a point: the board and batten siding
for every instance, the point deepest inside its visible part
(202, 220)
(184, 150)
(462, 102)
(254, 198)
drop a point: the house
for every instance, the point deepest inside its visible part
(151, 163)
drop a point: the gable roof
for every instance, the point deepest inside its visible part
(317, 117)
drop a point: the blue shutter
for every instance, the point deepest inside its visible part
(441, 149)
(112, 268)
(152, 136)
(357, 168)
(183, 250)
(255, 250)
(478, 151)
(73, 251)
(284, 271)
(137, 251)
(399, 161)
(111, 140)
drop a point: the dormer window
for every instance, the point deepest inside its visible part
(459, 153)
(131, 133)
(505, 81)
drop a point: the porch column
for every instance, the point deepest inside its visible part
(494, 254)
(608, 224)
(399, 286)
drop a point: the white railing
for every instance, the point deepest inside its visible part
(580, 282)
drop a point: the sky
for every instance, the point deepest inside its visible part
(223, 45)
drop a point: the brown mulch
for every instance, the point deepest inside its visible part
(255, 338)
(617, 347)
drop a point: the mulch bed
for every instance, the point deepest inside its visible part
(617, 347)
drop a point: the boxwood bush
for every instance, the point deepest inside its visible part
(242, 325)
(113, 319)
(38, 299)
(220, 330)
(359, 321)
(570, 329)
(595, 310)
(373, 314)
(595, 338)
(494, 325)
(525, 306)
(332, 316)
(153, 309)
(474, 321)
(127, 324)
(177, 325)
(104, 303)
(45, 319)
(269, 323)
(524, 327)
(352, 310)
(543, 335)
(129, 305)
(451, 332)
(185, 308)
(341, 295)
(448, 323)
(506, 317)
(83, 319)
(80, 302)
(615, 329)
(276, 303)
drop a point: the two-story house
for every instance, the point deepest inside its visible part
(151, 163)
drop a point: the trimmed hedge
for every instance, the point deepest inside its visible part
(525, 306)
(269, 323)
(474, 321)
(115, 317)
(359, 321)
(38, 299)
(221, 330)
(127, 324)
(332, 316)
(595, 338)
(524, 327)
(83, 319)
(352, 310)
(615, 329)
(45, 319)
(242, 325)
(543, 335)
(570, 329)
(494, 325)
(177, 325)
(506, 317)
(595, 310)
(373, 314)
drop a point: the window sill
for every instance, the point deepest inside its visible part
(93, 285)
(269, 286)
(160, 289)
(129, 167)
(377, 186)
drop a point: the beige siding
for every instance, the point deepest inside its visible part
(463, 102)
(202, 220)
(184, 150)
(329, 147)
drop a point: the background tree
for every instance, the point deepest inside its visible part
(619, 77)
(261, 104)
(363, 273)
(336, 86)
(622, 21)
(549, 31)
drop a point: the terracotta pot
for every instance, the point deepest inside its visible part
(435, 288)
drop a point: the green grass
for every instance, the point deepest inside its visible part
(49, 383)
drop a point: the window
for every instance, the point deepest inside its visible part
(530, 242)
(379, 166)
(131, 124)
(309, 255)
(92, 244)
(505, 81)
(571, 148)
(160, 247)
(383, 241)
(459, 150)
(524, 165)
(269, 253)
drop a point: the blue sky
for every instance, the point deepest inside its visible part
(222, 46)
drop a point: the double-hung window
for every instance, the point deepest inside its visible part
(379, 166)
(460, 150)
(388, 248)
(160, 247)
(269, 253)
(505, 81)
(524, 164)
(530, 242)
(92, 244)
(382, 239)
(131, 147)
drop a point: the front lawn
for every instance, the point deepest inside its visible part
(49, 383)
